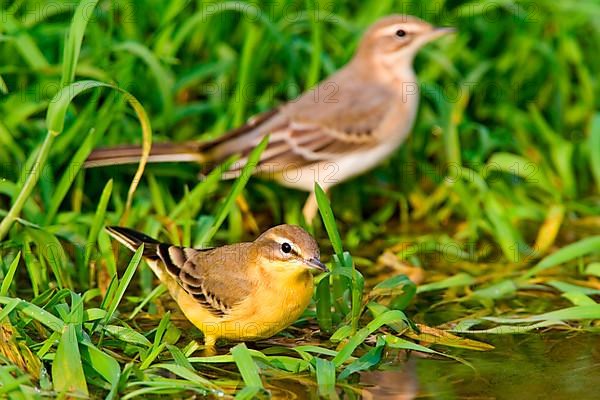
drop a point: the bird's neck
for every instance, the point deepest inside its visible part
(278, 272)
(398, 75)
(392, 71)
(287, 277)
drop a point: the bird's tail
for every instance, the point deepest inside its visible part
(160, 152)
(133, 239)
(155, 253)
(208, 153)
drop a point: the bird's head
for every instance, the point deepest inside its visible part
(396, 39)
(289, 249)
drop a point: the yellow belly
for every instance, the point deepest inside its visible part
(267, 311)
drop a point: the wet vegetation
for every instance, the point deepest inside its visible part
(478, 241)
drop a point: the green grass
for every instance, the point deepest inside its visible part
(494, 199)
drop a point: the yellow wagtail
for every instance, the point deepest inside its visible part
(243, 291)
(343, 127)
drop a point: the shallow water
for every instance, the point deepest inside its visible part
(533, 366)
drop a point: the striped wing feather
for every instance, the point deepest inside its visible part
(213, 277)
(324, 123)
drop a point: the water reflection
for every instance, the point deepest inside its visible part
(399, 384)
(534, 366)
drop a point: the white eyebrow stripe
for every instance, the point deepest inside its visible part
(282, 240)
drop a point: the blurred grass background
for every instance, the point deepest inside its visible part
(502, 167)
(514, 91)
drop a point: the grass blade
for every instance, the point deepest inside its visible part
(37, 313)
(10, 274)
(565, 314)
(189, 375)
(323, 299)
(67, 370)
(346, 352)
(578, 249)
(102, 363)
(329, 221)
(594, 141)
(246, 366)
(460, 279)
(27, 188)
(128, 335)
(368, 360)
(74, 39)
(316, 44)
(243, 89)
(325, 371)
(98, 221)
(124, 282)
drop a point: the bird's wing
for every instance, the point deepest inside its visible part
(208, 275)
(323, 123)
(213, 277)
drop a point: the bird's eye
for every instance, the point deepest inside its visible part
(400, 33)
(286, 247)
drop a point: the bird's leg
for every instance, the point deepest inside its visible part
(311, 208)
(210, 348)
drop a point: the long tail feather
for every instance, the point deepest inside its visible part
(156, 254)
(133, 239)
(240, 140)
(161, 152)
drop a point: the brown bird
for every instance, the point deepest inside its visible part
(345, 126)
(242, 291)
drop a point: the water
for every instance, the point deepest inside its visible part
(549, 366)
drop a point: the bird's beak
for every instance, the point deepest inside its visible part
(439, 32)
(315, 263)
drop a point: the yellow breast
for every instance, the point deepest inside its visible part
(275, 303)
